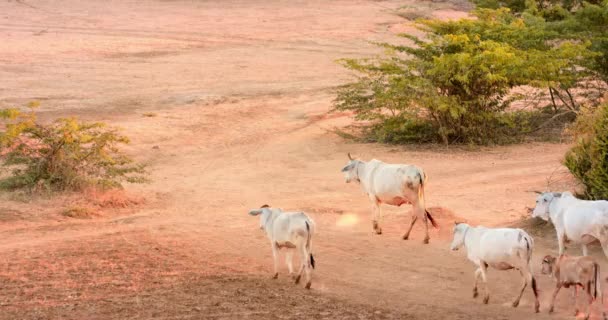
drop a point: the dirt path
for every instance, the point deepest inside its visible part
(233, 95)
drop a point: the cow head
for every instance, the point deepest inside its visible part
(460, 231)
(543, 201)
(264, 212)
(548, 264)
(350, 170)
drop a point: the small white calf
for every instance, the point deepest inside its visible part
(574, 271)
(392, 184)
(291, 231)
(579, 221)
(501, 249)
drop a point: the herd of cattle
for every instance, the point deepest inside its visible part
(575, 220)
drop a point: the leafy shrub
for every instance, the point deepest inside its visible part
(63, 155)
(564, 20)
(588, 159)
(454, 86)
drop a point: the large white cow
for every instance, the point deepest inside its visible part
(579, 221)
(499, 248)
(392, 184)
(290, 231)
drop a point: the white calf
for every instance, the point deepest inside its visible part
(502, 249)
(579, 221)
(289, 230)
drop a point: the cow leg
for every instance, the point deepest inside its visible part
(426, 228)
(534, 290)
(555, 292)
(484, 269)
(523, 287)
(560, 243)
(289, 261)
(585, 250)
(574, 295)
(275, 259)
(590, 301)
(477, 275)
(376, 215)
(299, 275)
(306, 265)
(407, 233)
(605, 248)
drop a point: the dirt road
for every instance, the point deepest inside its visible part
(227, 102)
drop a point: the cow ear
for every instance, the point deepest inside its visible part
(557, 194)
(255, 212)
(346, 168)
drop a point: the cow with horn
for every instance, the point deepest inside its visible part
(392, 184)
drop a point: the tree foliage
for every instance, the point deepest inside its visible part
(454, 86)
(63, 155)
(588, 159)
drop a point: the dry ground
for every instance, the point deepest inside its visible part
(226, 101)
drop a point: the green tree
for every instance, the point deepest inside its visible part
(454, 86)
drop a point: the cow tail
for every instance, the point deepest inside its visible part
(421, 201)
(309, 245)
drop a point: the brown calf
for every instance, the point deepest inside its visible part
(574, 271)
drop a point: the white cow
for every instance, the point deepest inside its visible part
(501, 249)
(291, 231)
(392, 184)
(579, 221)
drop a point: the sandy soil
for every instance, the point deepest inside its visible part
(227, 102)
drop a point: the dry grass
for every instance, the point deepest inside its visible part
(113, 198)
(146, 276)
(79, 212)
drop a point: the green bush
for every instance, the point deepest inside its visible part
(63, 155)
(454, 86)
(588, 159)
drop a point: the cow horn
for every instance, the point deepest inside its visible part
(265, 206)
(534, 191)
(349, 156)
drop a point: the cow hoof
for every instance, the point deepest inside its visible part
(406, 236)
(575, 312)
(276, 275)
(537, 307)
(475, 294)
(308, 285)
(426, 241)
(298, 279)
(551, 309)
(486, 300)
(378, 231)
(515, 304)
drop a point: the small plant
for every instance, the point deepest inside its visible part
(588, 159)
(79, 213)
(63, 155)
